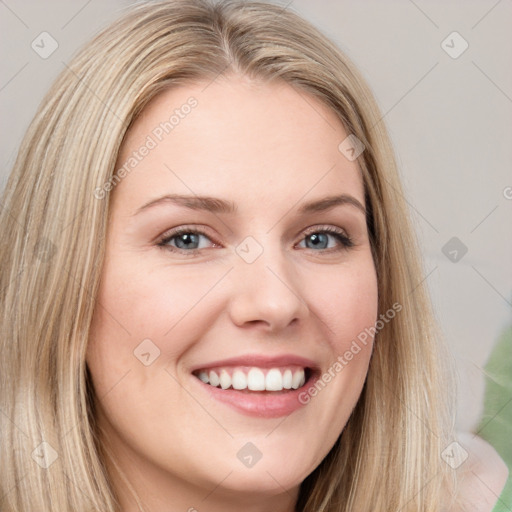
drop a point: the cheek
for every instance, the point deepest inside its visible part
(347, 303)
(141, 300)
(348, 311)
(148, 301)
(146, 310)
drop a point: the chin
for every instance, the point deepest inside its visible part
(274, 473)
(263, 482)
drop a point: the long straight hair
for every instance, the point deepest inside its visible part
(53, 228)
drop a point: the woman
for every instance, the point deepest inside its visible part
(212, 296)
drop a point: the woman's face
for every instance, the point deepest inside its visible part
(237, 251)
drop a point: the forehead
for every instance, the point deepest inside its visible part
(240, 139)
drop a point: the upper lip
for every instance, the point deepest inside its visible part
(260, 361)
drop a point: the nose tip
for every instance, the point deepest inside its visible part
(266, 293)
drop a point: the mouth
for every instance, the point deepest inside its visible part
(244, 378)
(258, 386)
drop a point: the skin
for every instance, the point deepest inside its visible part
(481, 477)
(269, 149)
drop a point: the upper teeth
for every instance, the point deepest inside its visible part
(254, 379)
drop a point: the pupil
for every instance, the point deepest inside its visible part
(315, 239)
(186, 238)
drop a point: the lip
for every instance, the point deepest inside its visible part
(260, 404)
(260, 361)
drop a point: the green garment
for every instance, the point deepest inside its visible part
(496, 424)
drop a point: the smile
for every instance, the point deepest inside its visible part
(257, 385)
(254, 378)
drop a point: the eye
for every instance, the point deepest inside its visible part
(190, 240)
(327, 238)
(185, 239)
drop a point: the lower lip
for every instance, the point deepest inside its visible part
(261, 404)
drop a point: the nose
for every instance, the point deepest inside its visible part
(266, 292)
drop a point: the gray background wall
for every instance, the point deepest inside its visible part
(449, 117)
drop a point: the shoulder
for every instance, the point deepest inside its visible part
(481, 477)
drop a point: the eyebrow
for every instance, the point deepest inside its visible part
(216, 205)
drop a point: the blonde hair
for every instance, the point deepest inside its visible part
(52, 247)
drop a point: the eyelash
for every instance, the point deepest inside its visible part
(345, 241)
